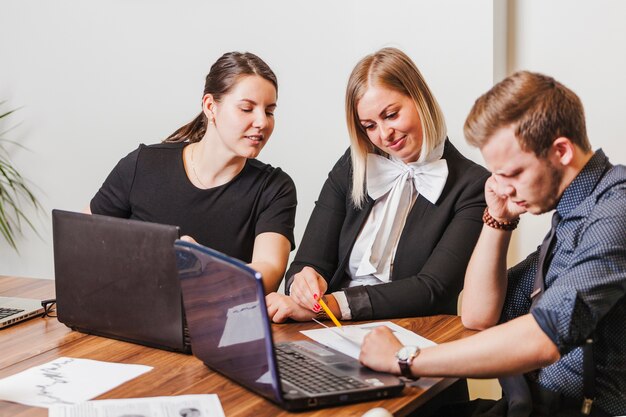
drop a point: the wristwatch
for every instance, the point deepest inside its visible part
(405, 356)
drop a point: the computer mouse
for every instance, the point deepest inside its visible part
(377, 412)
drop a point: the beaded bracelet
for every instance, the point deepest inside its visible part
(491, 222)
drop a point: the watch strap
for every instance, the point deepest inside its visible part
(405, 368)
(405, 364)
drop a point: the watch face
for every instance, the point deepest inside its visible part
(406, 352)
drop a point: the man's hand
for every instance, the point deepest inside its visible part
(501, 207)
(379, 349)
(281, 307)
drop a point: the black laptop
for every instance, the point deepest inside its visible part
(117, 278)
(230, 332)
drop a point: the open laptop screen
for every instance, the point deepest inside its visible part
(233, 336)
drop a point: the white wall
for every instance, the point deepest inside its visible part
(581, 43)
(94, 79)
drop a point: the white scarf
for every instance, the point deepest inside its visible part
(402, 182)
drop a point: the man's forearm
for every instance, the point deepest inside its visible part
(511, 348)
(485, 280)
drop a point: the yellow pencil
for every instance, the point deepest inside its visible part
(329, 313)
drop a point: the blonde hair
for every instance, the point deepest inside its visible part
(390, 68)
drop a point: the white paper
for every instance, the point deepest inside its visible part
(354, 334)
(348, 339)
(66, 381)
(204, 405)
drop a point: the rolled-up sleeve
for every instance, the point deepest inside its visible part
(592, 284)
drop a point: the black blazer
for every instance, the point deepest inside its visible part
(432, 254)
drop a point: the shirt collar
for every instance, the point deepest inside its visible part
(584, 183)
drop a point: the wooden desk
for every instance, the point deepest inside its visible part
(40, 340)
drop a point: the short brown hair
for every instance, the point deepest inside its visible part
(540, 109)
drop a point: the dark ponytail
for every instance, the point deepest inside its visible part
(193, 132)
(222, 77)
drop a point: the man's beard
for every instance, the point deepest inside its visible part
(555, 176)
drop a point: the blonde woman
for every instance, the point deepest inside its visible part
(399, 215)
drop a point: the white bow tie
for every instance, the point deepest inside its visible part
(393, 178)
(383, 174)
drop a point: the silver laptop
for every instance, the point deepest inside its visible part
(13, 310)
(230, 332)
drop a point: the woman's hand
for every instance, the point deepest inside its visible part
(307, 287)
(501, 207)
(379, 349)
(281, 307)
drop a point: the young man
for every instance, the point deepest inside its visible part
(564, 305)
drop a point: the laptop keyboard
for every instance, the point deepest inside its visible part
(309, 375)
(6, 312)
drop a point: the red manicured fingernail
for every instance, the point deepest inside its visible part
(316, 308)
(315, 296)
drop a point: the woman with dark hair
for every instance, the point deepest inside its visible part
(205, 179)
(398, 217)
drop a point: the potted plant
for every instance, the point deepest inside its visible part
(14, 191)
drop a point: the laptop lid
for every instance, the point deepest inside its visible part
(117, 278)
(231, 333)
(14, 309)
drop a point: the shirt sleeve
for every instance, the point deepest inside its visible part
(279, 213)
(319, 246)
(342, 302)
(593, 284)
(113, 198)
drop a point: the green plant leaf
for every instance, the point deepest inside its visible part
(14, 190)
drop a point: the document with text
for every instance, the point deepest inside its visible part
(348, 339)
(201, 405)
(66, 381)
